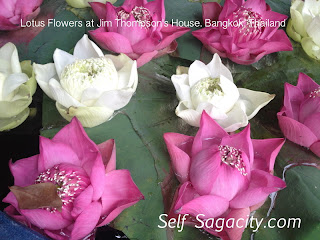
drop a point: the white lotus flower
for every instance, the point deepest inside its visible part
(211, 88)
(85, 3)
(304, 25)
(17, 85)
(88, 84)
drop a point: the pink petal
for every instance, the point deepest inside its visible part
(11, 199)
(74, 135)
(87, 221)
(91, 161)
(146, 45)
(186, 193)
(258, 6)
(111, 16)
(56, 234)
(157, 8)
(278, 42)
(6, 25)
(306, 84)
(108, 153)
(209, 205)
(272, 16)
(143, 58)
(312, 122)
(229, 182)
(82, 201)
(170, 33)
(96, 170)
(25, 171)
(261, 185)
(209, 129)
(265, 153)
(53, 153)
(179, 148)
(228, 8)
(133, 32)
(12, 212)
(120, 192)
(205, 169)
(296, 131)
(293, 97)
(99, 9)
(308, 106)
(236, 233)
(111, 41)
(241, 141)
(315, 148)
(211, 10)
(130, 4)
(26, 9)
(45, 219)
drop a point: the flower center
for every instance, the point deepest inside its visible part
(249, 25)
(206, 90)
(315, 93)
(70, 183)
(140, 14)
(99, 73)
(232, 157)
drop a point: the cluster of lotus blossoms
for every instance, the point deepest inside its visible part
(232, 171)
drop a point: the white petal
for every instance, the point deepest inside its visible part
(197, 71)
(314, 30)
(214, 112)
(9, 59)
(90, 95)
(237, 118)
(298, 22)
(13, 122)
(181, 85)
(119, 60)
(230, 95)
(310, 47)
(128, 75)
(61, 96)
(253, 101)
(217, 68)
(190, 116)
(115, 99)
(12, 82)
(61, 60)
(88, 116)
(85, 48)
(43, 73)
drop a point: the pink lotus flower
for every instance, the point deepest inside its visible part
(123, 34)
(94, 193)
(300, 115)
(222, 175)
(252, 34)
(13, 12)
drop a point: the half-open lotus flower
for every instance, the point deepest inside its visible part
(15, 12)
(137, 28)
(92, 191)
(88, 84)
(254, 32)
(17, 85)
(299, 117)
(85, 3)
(221, 175)
(304, 25)
(210, 87)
